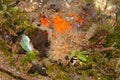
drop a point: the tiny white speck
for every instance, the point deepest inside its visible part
(99, 78)
(31, 1)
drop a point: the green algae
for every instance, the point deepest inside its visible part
(4, 48)
(61, 76)
(50, 68)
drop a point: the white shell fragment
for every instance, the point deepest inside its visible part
(25, 43)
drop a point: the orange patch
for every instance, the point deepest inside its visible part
(78, 19)
(44, 21)
(60, 25)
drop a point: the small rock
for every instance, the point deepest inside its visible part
(37, 68)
